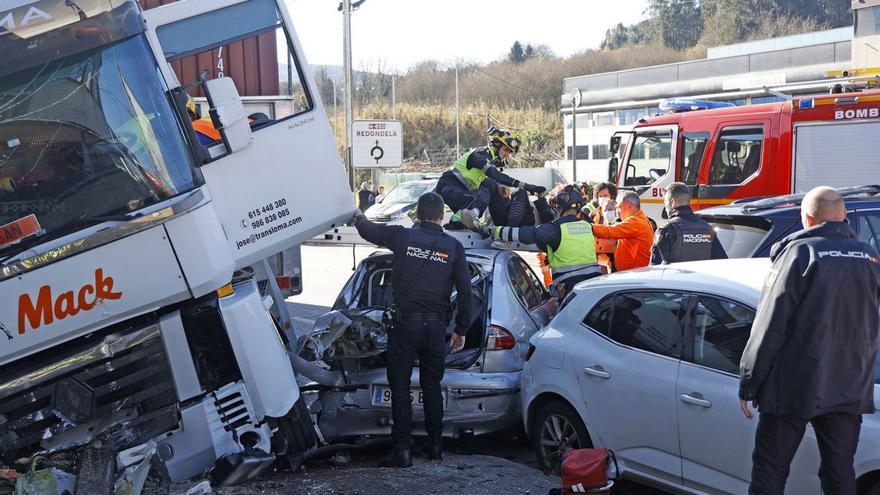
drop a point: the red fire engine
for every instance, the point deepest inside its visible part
(758, 150)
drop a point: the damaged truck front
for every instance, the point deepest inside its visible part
(129, 309)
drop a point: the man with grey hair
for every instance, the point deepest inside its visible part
(812, 350)
(634, 234)
(686, 237)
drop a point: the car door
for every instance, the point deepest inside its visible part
(716, 438)
(628, 382)
(531, 292)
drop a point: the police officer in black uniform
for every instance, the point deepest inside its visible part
(427, 264)
(811, 354)
(686, 237)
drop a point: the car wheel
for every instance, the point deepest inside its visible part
(874, 490)
(557, 428)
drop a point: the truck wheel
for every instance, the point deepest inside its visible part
(557, 428)
(298, 428)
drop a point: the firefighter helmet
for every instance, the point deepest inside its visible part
(501, 137)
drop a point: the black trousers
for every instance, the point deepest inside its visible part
(515, 212)
(777, 440)
(427, 341)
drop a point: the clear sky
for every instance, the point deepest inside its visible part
(402, 33)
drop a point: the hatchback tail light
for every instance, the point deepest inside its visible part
(500, 338)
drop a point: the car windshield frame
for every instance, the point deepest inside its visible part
(87, 137)
(391, 199)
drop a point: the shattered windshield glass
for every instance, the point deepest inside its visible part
(85, 136)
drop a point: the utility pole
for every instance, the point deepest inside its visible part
(575, 102)
(457, 115)
(346, 63)
(393, 99)
(335, 110)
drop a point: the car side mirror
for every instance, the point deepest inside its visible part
(228, 114)
(612, 170)
(614, 144)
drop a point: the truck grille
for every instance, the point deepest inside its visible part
(82, 383)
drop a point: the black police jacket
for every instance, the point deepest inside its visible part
(813, 344)
(427, 263)
(686, 237)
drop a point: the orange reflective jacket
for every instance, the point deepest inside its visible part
(206, 127)
(635, 240)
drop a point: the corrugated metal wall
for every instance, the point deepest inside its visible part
(252, 63)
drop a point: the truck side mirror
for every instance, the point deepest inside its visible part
(228, 114)
(612, 170)
(614, 145)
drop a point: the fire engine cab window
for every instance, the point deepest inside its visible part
(692, 157)
(737, 156)
(649, 160)
(253, 49)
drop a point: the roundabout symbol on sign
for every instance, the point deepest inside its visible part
(377, 152)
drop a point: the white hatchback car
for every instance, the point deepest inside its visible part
(646, 363)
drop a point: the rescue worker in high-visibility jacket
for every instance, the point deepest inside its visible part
(473, 184)
(568, 242)
(204, 127)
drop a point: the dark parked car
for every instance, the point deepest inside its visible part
(748, 228)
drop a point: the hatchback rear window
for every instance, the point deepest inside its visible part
(740, 236)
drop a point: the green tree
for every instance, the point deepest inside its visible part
(679, 22)
(517, 54)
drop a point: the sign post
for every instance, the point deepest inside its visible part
(377, 143)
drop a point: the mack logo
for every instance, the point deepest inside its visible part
(850, 254)
(9, 21)
(48, 308)
(859, 113)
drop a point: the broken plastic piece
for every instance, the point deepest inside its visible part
(203, 488)
(45, 482)
(132, 480)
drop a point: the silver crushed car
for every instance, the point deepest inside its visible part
(344, 355)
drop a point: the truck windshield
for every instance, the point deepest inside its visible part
(84, 136)
(649, 158)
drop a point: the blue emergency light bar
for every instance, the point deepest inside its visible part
(677, 105)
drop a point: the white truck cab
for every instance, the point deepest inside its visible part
(121, 232)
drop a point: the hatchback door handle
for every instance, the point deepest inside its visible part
(597, 372)
(697, 401)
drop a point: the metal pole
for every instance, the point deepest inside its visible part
(457, 116)
(393, 99)
(346, 63)
(574, 161)
(335, 111)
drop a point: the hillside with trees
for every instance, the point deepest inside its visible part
(527, 80)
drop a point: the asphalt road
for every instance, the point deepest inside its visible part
(325, 271)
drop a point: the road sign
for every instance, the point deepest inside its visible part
(376, 143)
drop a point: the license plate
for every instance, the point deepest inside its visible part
(382, 396)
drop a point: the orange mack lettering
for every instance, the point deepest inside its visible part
(48, 309)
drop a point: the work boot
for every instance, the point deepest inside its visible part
(434, 449)
(398, 458)
(471, 219)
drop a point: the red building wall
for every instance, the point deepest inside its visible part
(252, 63)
